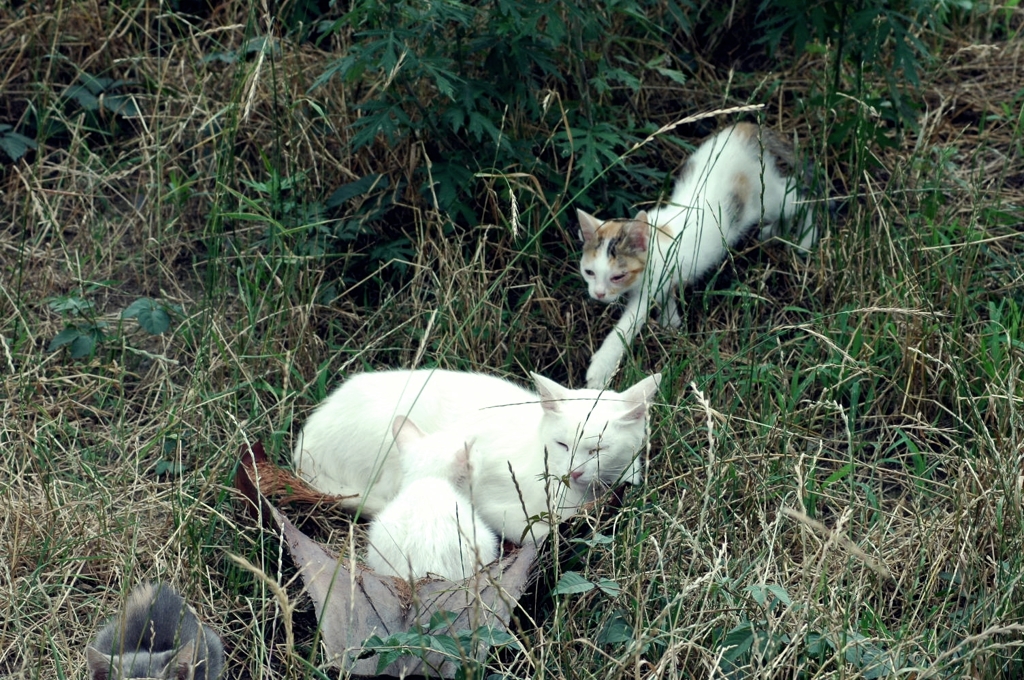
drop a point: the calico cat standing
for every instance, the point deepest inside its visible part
(157, 636)
(731, 183)
(430, 527)
(536, 456)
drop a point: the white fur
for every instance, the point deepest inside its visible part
(563, 446)
(700, 228)
(430, 527)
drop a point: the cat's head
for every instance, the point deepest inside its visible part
(442, 454)
(614, 254)
(596, 437)
(176, 664)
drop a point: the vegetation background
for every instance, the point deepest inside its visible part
(212, 212)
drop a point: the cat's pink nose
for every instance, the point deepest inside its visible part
(599, 295)
(576, 474)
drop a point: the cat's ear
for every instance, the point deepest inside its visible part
(182, 664)
(462, 455)
(405, 431)
(640, 396)
(638, 232)
(551, 393)
(588, 225)
(99, 663)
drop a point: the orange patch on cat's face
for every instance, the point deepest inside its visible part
(608, 229)
(633, 268)
(629, 265)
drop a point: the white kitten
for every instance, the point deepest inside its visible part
(718, 197)
(534, 457)
(430, 527)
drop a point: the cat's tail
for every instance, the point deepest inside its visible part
(807, 192)
(258, 475)
(321, 490)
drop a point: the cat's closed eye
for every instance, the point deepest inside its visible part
(563, 445)
(618, 278)
(588, 272)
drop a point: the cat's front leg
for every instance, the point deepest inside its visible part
(606, 359)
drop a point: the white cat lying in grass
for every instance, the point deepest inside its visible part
(535, 457)
(718, 198)
(430, 527)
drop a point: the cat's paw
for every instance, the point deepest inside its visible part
(602, 366)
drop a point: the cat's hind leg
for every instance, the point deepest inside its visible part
(668, 309)
(670, 315)
(801, 229)
(808, 234)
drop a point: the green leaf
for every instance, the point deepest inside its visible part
(262, 44)
(872, 660)
(133, 310)
(445, 644)
(595, 540)
(156, 322)
(153, 318)
(737, 641)
(842, 472)
(490, 635)
(361, 186)
(761, 591)
(171, 467)
(97, 84)
(15, 145)
(442, 619)
(609, 587)
(780, 594)
(373, 642)
(672, 74)
(83, 345)
(72, 304)
(616, 631)
(87, 100)
(388, 656)
(121, 104)
(572, 583)
(65, 337)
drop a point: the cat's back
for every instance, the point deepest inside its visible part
(735, 146)
(354, 421)
(733, 151)
(346, 446)
(737, 177)
(429, 396)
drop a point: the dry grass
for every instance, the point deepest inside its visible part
(837, 462)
